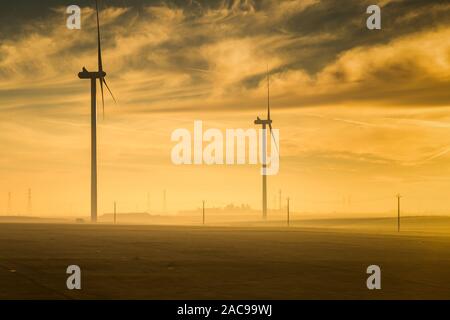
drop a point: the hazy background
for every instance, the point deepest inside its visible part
(363, 115)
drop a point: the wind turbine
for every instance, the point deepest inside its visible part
(93, 76)
(264, 123)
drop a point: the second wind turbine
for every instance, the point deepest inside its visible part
(264, 123)
(93, 76)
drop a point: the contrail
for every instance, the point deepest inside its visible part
(349, 121)
(358, 123)
(437, 155)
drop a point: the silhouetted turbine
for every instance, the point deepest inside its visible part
(264, 123)
(93, 76)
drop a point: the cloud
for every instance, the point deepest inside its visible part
(348, 100)
(168, 57)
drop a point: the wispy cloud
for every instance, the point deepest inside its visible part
(347, 100)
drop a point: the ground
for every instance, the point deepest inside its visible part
(310, 260)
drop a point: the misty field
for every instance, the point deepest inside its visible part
(312, 260)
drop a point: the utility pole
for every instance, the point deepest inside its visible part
(203, 212)
(115, 212)
(148, 202)
(29, 202)
(279, 200)
(288, 213)
(398, 212)
(9, 203)
(164, 202)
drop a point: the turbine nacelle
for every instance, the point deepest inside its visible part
(85, 74)
(264, 122)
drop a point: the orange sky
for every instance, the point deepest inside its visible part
(362, 115)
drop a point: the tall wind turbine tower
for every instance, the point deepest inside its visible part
(398, 212)
(93, 76)
(264, 123)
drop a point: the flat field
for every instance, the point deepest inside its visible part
(324, 259)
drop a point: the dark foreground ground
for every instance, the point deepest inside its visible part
(153, 262)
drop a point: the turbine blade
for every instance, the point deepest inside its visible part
(103, 97)
(100, 62)
(109, 90)
(273, 137)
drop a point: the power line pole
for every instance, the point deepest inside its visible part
(203, 212)
(115, 212)
(398, 212)
(9, 203)
(164, 202)
(279, 200)
(288, 213)
(29, 202)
